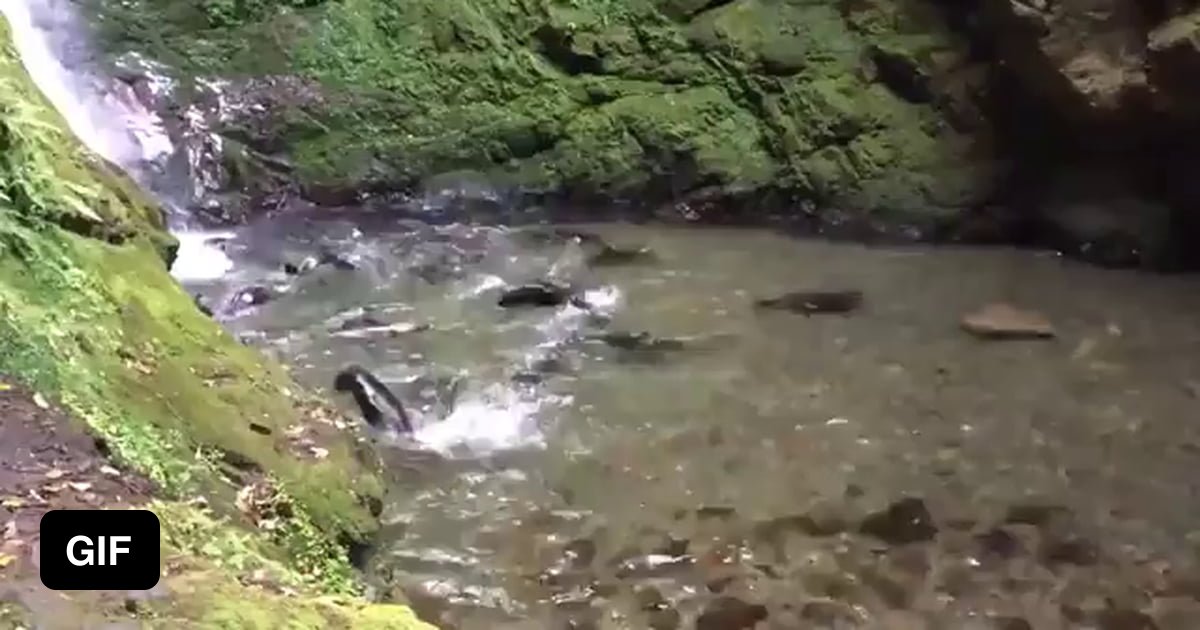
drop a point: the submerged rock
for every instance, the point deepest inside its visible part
(538, 294)
(814, 302)
(730, 613)
(903, 522)
(1004, 321)
(379, 406)
(610, 256)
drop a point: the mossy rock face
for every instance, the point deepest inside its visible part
(839, 102)
(91, 319)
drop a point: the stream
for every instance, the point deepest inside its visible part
(731, 465)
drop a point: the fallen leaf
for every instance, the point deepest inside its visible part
(110, 471)
(40, 401)
(10, 529)
(80, 486)
(13, 503)
(54, 474)
(320, 453)
(6, 559)
(5, 387)
(54, 488)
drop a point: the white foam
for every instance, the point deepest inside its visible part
(199, 259)
(496, 419)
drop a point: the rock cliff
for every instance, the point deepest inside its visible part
(1064, 123)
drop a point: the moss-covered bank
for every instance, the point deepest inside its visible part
(842, 103)
(90, 317)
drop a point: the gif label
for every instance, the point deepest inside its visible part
(99, 550)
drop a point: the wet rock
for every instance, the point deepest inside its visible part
(1010, 623)
(1004, 321)
(721, 512)
(580, 553)
(379, 406)
(730, 613)
(1036, 514)
(1071, 550)
(830, 614)
(814, 302)
(539, 294)
(1117, 619)
(903, 522)
(998, 542)
(664, 619)
(610, 256)
(639, 341)
(249, 297)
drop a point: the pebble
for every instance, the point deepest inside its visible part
(1004, 321)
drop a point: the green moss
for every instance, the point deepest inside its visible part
(599, 94)
(90, 317)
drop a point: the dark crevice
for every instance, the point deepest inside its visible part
(555, 45)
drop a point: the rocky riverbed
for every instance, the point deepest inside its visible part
(672, 455)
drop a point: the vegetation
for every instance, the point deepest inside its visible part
(611, 97)
(90, 317)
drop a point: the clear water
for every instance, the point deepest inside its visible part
(665, 469)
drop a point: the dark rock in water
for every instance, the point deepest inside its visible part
(814, 302)
(539, 294)
(830, 614)
(1038, 515)
(379, 406)
(1068, 550)
(730, 613)
(637, 341)
(610, 256)
(337, 261)
(1119, 619)
(1010, 623)
(905, 521)
(359, 322)
(999, 542)
(249, 297)
(204, 308)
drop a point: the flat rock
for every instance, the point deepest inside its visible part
(1004, 321)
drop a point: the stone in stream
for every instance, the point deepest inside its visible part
(610, 256)
(1005, 321)
(379, 406)
(639, 341)
(538, 294)
(814, 302)
(249, 297)
(903, 522)
(730, 613)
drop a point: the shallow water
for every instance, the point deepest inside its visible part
(635, 488)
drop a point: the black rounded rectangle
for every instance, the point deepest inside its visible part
(100, 550)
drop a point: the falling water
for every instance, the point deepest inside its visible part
(109, 117)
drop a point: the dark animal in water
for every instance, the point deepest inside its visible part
(379, 406)
(813, 302)
(542, 293)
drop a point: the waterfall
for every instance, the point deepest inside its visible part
(110, 118)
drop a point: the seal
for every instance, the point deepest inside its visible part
(379, 406)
